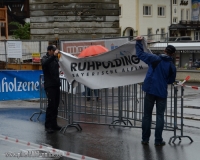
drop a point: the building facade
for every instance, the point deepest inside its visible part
(60, 19)
(181, 14)
(141, 17)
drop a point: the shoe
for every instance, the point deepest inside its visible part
(145, 142)
(98, 99)
(56, 128)
(49, 130)
(160, 143)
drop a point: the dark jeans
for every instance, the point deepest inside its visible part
(89, 93)
(147, 118)
(53, 95)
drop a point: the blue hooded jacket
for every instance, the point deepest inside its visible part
(161, 72)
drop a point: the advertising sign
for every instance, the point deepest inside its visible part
(16, 85)
(36, 57)
(195, 10)
(75, 47)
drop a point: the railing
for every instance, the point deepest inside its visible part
(120, 106)
(189, 23)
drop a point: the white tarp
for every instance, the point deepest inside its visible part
(118, 67)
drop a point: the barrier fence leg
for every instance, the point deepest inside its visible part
(123, 95)
(39, 114)
(175, 117)
(42, 95)
(70, 113)
(182, 136)
(120, 101)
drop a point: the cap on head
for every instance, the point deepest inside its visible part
(51, 48)
(170, 49)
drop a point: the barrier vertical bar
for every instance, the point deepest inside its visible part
(140, 101)
(41, 83)
(127, 111)
(113, 94)
(175, 114)
(135, 103)
(132, 98)
(120, 107)
(182, 90)
(106, 105)
(182, 124)
(120, 104)
(171, 105)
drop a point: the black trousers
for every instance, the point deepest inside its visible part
(53, 95)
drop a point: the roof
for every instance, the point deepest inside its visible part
(177, 26)
(179, 46)
(183, 27)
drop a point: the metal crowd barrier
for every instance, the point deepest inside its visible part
(64, 94)
(116, 106)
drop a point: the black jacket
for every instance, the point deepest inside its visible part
(50, 69)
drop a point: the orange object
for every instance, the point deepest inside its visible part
(187, 78)
(59, 55)
(92, 51)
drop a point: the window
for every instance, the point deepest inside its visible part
(162, 33)
(175, 20)
(187, 14)
(161, 11)
(149, 33)
(147, 10)
(174, 1)
(175, 10)
(197, 36)
(182, 14)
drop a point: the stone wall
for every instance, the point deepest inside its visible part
(194, 75)
(77, 19)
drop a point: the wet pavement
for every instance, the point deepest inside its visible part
(101, 142)
(98, 141)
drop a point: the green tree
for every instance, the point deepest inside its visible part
(22, 31)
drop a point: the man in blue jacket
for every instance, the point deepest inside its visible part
(161, 72)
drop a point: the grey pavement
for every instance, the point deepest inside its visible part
(101, 142)
(98, 141)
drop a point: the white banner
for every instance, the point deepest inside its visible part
(115, 68)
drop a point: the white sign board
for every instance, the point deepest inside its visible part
(14, 49)
(2, 52)
(75, 47)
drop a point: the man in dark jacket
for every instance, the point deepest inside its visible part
(161, 72)
(50, 69)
